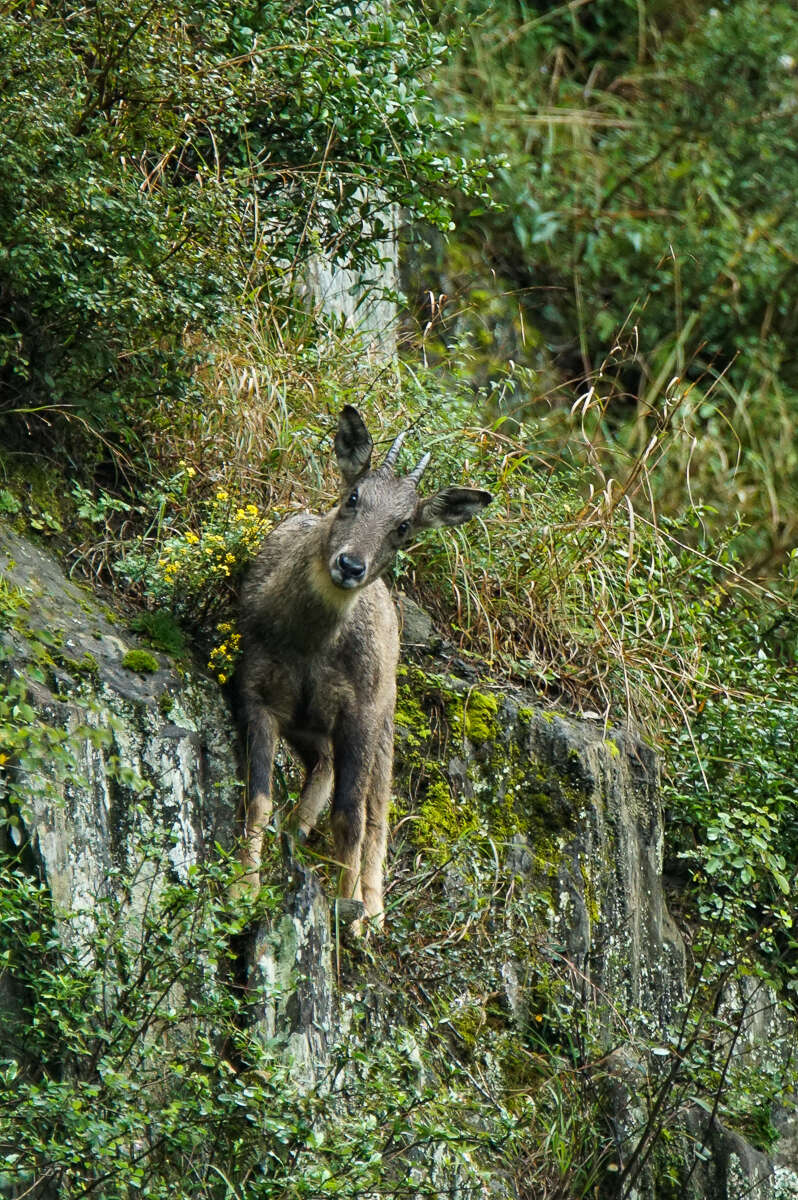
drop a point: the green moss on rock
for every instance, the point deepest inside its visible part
(410, 717)
(85, 667)
(141, 661)
(479, 716)
(508, 792)
(442, 821)
(12, 599)
(472, 715)
(591, 899)
(163, 632)
(468, 1023)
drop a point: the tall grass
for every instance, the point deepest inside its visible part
(574, 582)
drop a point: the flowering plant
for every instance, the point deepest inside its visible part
(190, 572)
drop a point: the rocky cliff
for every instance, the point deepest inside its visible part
(521, 1029)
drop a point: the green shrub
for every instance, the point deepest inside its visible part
(135, 1066)
(163, 164)
(644, 204)
(732, 792)
(629, 136)
(162, 631)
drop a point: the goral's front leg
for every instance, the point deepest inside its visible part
(353, 756)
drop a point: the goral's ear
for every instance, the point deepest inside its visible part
(452, 506)
(353, 445)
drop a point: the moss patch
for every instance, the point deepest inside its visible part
(473, 715)
(479, 716)
(39, 500)
(85, 667)
(141, 661)
(442, 821)
(163, 631)
(591, 899)
(12, 599)
(460, 798)
(410, 717)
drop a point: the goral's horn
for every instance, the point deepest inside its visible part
(419, 470)
(390, 458)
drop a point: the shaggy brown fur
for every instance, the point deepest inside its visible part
(320, 646)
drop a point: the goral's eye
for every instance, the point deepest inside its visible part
(352, 501)
(403, 528)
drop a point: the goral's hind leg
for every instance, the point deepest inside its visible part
(317, 756)
(353, 759)
(261, 741)
(376, 833)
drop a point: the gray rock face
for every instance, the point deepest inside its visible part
(574, 815)
(364, 301)
(154, 750)
(610, 909)
(291, 976)
(155, 759)
(733, 1170)
(415, 626)
(589, 830)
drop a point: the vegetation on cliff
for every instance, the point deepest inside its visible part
(644, 231)
(600, 263)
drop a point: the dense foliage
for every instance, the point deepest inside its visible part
(733, 794)
(167, 172)
(136, 1071)
(137, 137)
(647, 185)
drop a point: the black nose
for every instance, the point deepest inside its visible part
(351, 568)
